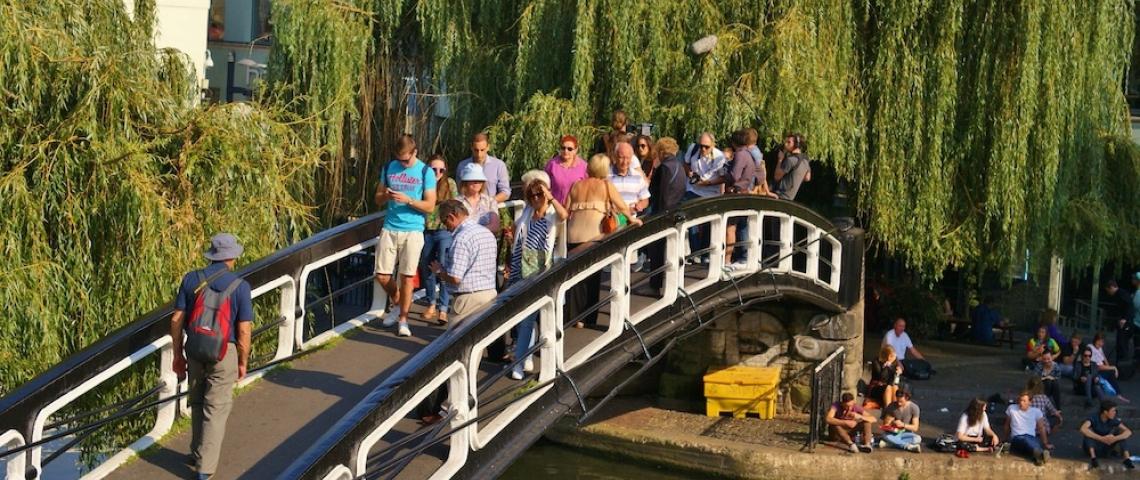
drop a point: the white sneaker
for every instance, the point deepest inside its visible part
(516, 375)
(528, 365)
(403, 331)
(392, 317)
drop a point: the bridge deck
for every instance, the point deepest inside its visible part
(278, 418)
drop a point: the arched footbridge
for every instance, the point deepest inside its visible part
(335, 406)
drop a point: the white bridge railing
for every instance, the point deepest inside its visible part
(818, 250)
(460, 379)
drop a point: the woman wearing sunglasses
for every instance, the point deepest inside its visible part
(565, 168)
(437, 240)
(643, 150)
(533, 249)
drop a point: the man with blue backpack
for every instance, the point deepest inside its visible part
(211, 331)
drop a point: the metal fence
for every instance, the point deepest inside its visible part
(826, 387)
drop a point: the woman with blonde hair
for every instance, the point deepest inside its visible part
(885, 373)
(533, 251)
(590, 199)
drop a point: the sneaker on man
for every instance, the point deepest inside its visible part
(914, 447)
(865, 448)
(1094, 464)
(392, 317)
(853, 448)
(528, 365)
(516, 374)
(1127, 464)
(404, 331)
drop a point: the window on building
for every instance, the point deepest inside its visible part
(240, 21)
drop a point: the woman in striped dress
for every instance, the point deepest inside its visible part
(533, 250)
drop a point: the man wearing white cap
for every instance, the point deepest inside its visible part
(407, 188)
(217, 309)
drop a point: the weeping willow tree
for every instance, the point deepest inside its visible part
(971, 130)
(112, 178)
(986, 129)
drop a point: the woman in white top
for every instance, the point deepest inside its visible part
(974, 428)
(533, 251)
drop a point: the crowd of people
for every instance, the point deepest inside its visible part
(1030, 419)
(574, 199)
(447, 231)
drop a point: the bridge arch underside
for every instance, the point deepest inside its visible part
(485, 447)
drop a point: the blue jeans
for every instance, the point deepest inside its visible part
(699, 236)
(436, 245)
(901, 440)
(1025, 444)
(526, 339)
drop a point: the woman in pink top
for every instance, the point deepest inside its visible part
(565, 168)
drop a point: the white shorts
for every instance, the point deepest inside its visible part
(399, 249)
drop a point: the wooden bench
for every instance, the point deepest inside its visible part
(1001, 334)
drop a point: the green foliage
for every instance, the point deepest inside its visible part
(112, 179)
(971, 130)
(921, 308)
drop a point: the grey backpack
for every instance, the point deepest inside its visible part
(208, 331)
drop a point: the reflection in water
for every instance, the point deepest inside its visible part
(548, 460)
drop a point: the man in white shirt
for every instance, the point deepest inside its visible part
(704, 164)
(629, 182)
(1025, 429)
(898, 339)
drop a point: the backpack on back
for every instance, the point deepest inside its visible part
(208, 331)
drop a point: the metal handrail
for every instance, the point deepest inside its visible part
(457, 346)
(20, 407)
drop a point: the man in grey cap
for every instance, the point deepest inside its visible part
(211, 383)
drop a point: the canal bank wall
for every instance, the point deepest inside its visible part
(703, 456)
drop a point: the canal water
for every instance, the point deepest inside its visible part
(549, 460)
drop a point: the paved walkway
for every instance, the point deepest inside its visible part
(276, 419)
(279, 417)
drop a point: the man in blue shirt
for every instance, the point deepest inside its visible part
(211, 384)
(498, 178)
(407, 188)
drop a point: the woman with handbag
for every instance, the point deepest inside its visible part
(593, 202)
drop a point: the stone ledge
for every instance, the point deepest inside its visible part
(711, 456)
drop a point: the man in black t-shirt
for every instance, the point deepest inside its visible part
(1120, 316)
(1104, 433)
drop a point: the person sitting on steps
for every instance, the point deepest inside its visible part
(1037, 346)
(844, 418)
(1043, 402)
(1104, 433)
(974, 433)
(913, 363)
(900, 424)
(885, 373)
(1026, 431)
